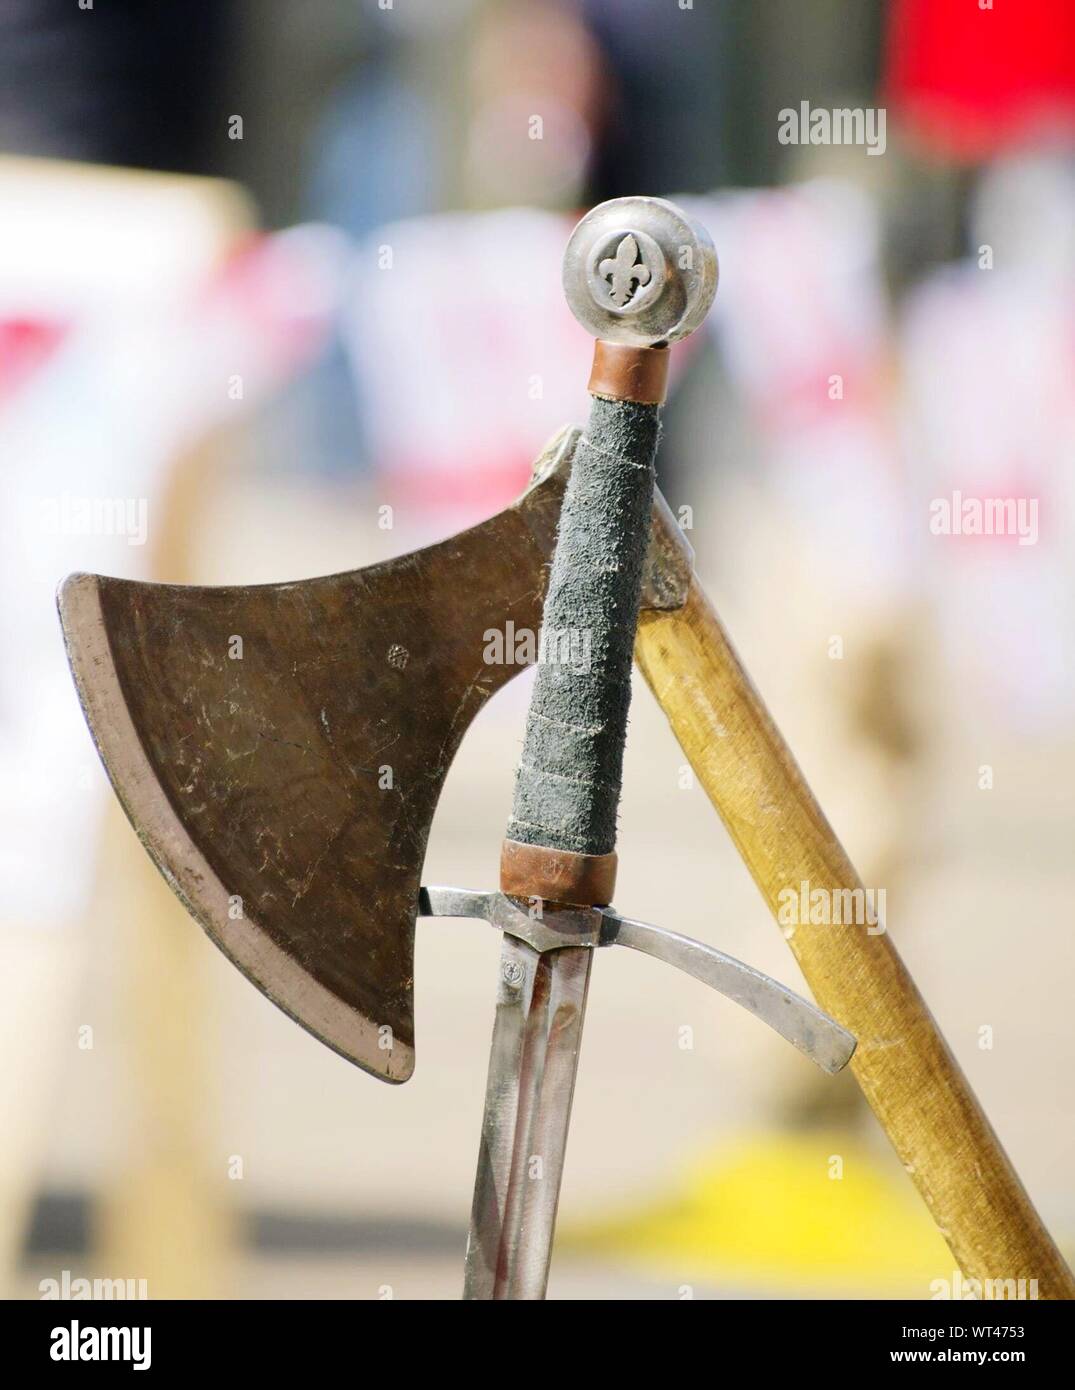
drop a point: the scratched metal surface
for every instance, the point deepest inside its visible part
(260, 781)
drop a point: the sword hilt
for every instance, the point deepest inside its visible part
(803, 1024)
(639, 275)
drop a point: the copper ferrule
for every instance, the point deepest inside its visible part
(624, 373)
(557, 875)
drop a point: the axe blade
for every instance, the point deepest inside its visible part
(286, 793)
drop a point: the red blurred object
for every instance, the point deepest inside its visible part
(25, 345)
(971, 82)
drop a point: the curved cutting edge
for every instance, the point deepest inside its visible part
(280, 750)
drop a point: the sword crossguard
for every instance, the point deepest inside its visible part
(804, 1025)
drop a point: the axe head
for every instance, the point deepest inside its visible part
(280, 749)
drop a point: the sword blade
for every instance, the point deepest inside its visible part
(541, 1004)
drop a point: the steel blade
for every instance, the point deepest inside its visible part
(541, 1005)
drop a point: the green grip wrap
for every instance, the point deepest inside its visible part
(567, 789)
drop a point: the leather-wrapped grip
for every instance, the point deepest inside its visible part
(567, 788)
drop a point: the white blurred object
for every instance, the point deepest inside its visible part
(989, 362)
(803, 324)
(1023, 208)
(136, 312)
(466, 353)
(154, 322)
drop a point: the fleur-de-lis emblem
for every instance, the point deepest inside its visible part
(625, 271)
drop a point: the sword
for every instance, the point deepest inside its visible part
(639, 275)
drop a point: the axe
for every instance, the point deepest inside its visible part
(287, 796)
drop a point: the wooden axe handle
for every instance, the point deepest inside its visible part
(905, 1069)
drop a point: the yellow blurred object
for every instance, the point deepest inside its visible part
(768, 1214)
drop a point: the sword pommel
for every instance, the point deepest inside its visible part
(640, 273)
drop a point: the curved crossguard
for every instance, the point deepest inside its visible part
(814, 1033)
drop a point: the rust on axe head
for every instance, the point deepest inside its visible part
(259, 784)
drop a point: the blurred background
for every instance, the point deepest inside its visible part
(253, 287)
